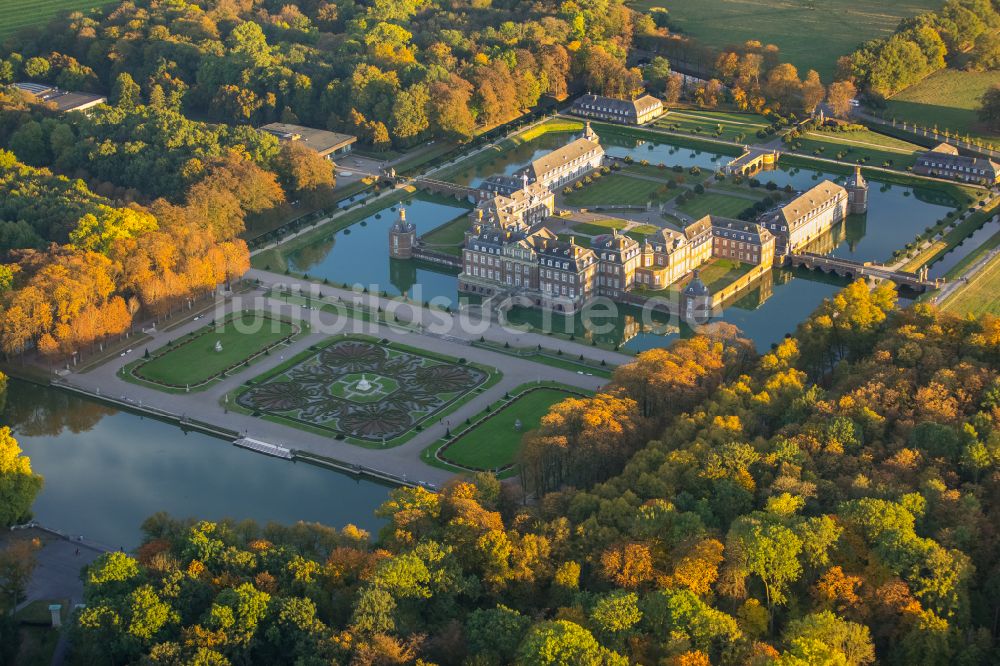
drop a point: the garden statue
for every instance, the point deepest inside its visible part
(218, 345)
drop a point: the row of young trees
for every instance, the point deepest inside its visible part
(963, 33)
(832, 501)
(396, 72)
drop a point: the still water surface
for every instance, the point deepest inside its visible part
(107, 470)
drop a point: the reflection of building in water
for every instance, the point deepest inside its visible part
(762, 290)
(403, 275)
(827, 241)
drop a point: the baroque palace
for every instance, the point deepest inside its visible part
(508, 248)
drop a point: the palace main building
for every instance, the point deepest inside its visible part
(508, 249)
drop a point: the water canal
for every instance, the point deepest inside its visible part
(358, 254)
(107, 470)
(896, 215)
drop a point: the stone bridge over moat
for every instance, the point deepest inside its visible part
(857, 269)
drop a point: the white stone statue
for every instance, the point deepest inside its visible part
(218, 345)
(364, 385)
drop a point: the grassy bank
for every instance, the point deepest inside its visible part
(947, 99)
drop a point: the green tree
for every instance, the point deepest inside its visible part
(126, 94)
(563, 643)
(495, 631)
(616, 613)
(848, 639)
(768, 550)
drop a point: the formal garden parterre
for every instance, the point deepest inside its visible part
(362, 390)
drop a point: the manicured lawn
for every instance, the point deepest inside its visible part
(448, 234)
(612, 190)
(948, 99)
(707, 123)
(598, 227)
(494, 443)
(865, 147)
(714, 203)
(554, 125)
(193, 360)
(810, 34)
(981, 295)
(19, 14)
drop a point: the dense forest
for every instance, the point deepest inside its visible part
(128, 212)
(832, 501)
(392, 71)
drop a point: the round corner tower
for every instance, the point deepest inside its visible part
(402, 237)
(857, 193)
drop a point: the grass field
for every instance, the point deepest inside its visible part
(714, 203)
(606, 225)
(707, 123)
(19, 14)
(193, 360)
(494, 442)
(448, 237)
(615, 189)
(810, 34)
(947, 99)
(865, 147)
(981, 295)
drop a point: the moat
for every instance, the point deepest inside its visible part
(765, 313)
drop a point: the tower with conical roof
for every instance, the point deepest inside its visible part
(402, 237)
(857, 193)
(590, 134)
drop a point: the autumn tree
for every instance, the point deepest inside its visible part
(18, 484)
(839, 96)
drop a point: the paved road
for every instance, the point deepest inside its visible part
(402, 460)
(57, 573)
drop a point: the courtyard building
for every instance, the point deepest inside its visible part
(323, 142)
(637, 111)
(534, 263)
(618, 256)
(569, 163)
(944, 161)
(523, 207)
(806, 217)
(64, 101)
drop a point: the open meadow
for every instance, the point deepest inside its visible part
(19, 14)
(980, 295)
(794, 25)
(947, 99)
